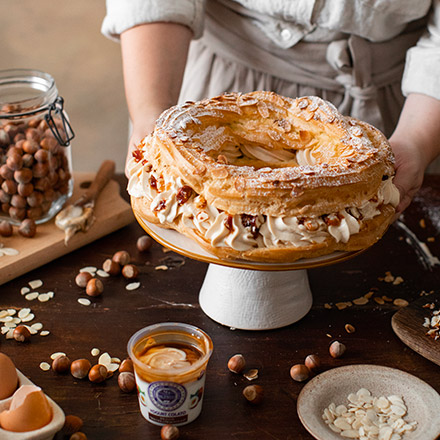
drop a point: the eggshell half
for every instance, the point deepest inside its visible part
(8, 377)
(29, 410)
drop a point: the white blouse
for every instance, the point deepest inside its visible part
(286, 22)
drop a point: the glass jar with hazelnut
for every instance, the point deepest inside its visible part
(35, 157)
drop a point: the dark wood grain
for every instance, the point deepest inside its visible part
(407, 324)
(173, 296)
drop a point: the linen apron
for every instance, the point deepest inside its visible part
(361, 78)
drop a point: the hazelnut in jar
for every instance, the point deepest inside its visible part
(35, 156)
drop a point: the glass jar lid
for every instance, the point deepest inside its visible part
(25, 91)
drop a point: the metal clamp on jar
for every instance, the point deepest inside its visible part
(35, 153)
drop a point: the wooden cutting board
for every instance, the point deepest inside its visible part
(407, 323)
(111, 212)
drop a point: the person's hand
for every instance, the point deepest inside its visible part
(415, 143)
(410, 168)
(137, 134)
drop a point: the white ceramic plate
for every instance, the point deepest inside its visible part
(422, 401)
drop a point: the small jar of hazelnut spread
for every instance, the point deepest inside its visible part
(35, 157)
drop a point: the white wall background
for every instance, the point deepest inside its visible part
(63, 38)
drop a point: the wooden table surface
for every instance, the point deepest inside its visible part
(172, 295)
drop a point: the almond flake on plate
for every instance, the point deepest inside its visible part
(133, 286)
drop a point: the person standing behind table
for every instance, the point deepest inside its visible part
(364, 57)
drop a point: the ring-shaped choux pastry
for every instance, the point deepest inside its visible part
(266, 178)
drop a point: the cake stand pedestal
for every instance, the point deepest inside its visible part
(248, 295)
(254, 299)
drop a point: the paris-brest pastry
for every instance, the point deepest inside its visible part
(265, 178)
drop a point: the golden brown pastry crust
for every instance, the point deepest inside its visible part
(198, 143)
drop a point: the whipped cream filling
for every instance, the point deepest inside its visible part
(242, 232)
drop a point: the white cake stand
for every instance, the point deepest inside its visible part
(248, 295)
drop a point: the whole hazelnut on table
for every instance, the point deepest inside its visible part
(27, 228)
(144, 243)
(78, 436)
(121, 257)
(312, 362)
(80, 368)
(5, 229)
(21, 333)
(299, 373)
(94, 287)
(236, 363)
(337, 349)
(61, 364)
(126, 382)
(83, 278)
(126, 366)
(98, 373)
(72, 424)
(130, 271)
(253, 394)
(169, 432)
(111, 267)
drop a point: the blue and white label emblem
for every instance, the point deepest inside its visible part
(166, 396)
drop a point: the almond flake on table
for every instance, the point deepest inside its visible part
(37, 326)
(102, 273)
(28, 318)
(44, 332)
(25, 290)
(31, 296)
(90, 269)
(57, 354)
(45, 366)
(43, 297)
(95, 351)
(32, 331)
(133, 286)
(24, 312)
(84, 301)
(35, 284)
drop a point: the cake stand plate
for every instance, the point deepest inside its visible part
(248, 295)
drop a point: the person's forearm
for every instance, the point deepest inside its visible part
(416, 143)
(420, 123)
(154, 57)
